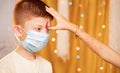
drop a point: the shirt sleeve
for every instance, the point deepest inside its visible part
(4, 69)
(50, 68)
(6, 65)
(46, 66)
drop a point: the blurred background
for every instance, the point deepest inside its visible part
(67, 53)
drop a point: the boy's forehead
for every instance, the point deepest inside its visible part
(37, 21)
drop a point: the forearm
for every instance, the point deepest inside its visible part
(99, 48)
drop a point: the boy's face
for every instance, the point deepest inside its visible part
(38, 24)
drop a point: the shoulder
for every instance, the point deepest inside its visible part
(45, 64)
(6, 62)
(43, 60)
(7, 58)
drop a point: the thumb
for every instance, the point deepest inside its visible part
(52, 28)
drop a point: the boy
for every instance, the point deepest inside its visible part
(31, 21)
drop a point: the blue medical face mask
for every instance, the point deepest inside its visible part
(35, 41)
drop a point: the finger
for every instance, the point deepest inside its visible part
(52, 11)
(52, 28)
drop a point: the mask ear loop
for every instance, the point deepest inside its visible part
(17, 37)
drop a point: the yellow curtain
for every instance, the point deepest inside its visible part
(92, 16)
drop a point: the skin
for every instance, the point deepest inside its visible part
(96, 46)
(37, 24)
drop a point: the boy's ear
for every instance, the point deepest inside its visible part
(17, 30)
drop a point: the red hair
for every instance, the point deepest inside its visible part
(26, 9)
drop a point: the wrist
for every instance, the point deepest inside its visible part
(72, 27)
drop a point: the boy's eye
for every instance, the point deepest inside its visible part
(38, 28)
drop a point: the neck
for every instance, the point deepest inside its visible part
(26, 54)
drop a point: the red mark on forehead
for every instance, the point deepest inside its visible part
(46, 26)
